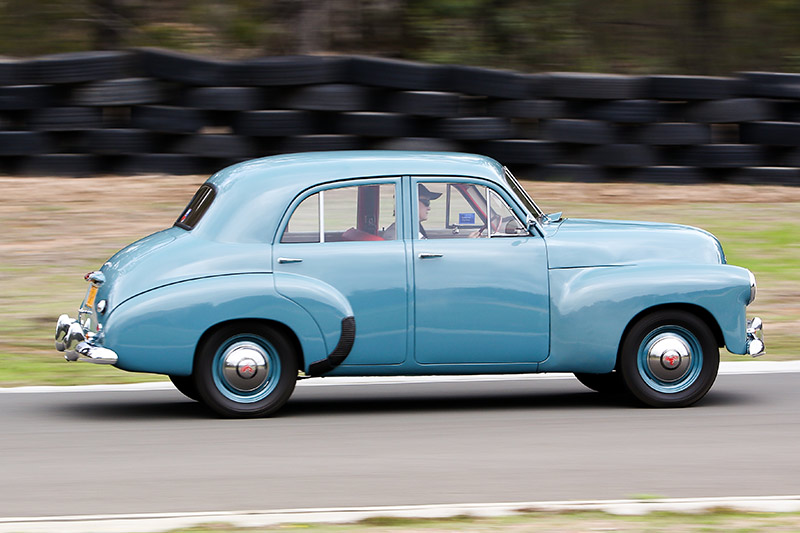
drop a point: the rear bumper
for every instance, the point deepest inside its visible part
(755, 337)
(71, 338)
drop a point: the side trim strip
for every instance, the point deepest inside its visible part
(342, 350)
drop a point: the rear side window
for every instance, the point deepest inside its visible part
(197, 207)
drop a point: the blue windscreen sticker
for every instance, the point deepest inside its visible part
(466, 218)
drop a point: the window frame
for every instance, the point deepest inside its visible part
(320, 188)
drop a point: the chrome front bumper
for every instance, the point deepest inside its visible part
(71, 339)
(755, 337)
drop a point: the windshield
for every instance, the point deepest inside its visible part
(523, 195)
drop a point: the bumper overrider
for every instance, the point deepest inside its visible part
(755, 337)
(71, 338)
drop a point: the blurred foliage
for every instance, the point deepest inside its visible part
(625, 36)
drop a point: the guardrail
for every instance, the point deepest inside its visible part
(153, 111)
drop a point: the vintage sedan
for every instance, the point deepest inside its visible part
(407, 263)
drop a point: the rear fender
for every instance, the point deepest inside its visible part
(158, 330)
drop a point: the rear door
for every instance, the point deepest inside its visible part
(344, 235)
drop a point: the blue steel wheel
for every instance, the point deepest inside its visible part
(247, 370)
(669, 359)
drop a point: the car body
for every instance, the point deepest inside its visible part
(407, 263)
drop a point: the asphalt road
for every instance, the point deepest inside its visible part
(77, 453)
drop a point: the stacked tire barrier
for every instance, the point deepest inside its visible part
(156, 111)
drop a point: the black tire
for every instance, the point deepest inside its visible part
(475, 128)
(579, 131)
(225, 98)
(186, 386)
(673, 134)
(595, 86)
(259, 384)
(25, 97)
(522, 151)
(687, 365)
(122, 92)
(185, 68)
(274, 123)
(169, 119)
(424, 103)
(771, 133)
(78, 67)
(694, 87)
(609, 384)
(491, 82)
(284, 71)
(531, 109)
(620, 155)
(375, 124)
(398, 74)
(330, 97)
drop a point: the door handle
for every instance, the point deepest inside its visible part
(285, 260)
(429, 255)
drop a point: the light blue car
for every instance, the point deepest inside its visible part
(407, 263)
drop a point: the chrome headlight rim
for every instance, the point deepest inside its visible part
(753, 288)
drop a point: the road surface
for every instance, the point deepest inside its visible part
(519, 439)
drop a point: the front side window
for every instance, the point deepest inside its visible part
(463, 210)
(357, 213)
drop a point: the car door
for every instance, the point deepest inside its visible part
(480, 278)
(343, 235)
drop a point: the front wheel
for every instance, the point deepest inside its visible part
(669, 359)
(249, 370)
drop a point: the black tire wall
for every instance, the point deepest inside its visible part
(158, 111)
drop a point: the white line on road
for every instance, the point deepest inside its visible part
(725, 368)
(156, 522)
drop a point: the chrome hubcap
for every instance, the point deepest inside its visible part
(245, 366)
(669, 357)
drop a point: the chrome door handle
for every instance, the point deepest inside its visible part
(428, 255)
(284, 260)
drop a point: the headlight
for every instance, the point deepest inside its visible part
(752, 288)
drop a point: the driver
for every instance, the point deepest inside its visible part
(424, 208)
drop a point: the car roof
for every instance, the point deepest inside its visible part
(252, 196)
(309, 169)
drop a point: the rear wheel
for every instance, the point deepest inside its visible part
(249, 370)
(669, 359)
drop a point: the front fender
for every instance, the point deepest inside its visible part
(158, 330)
(591, 307)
